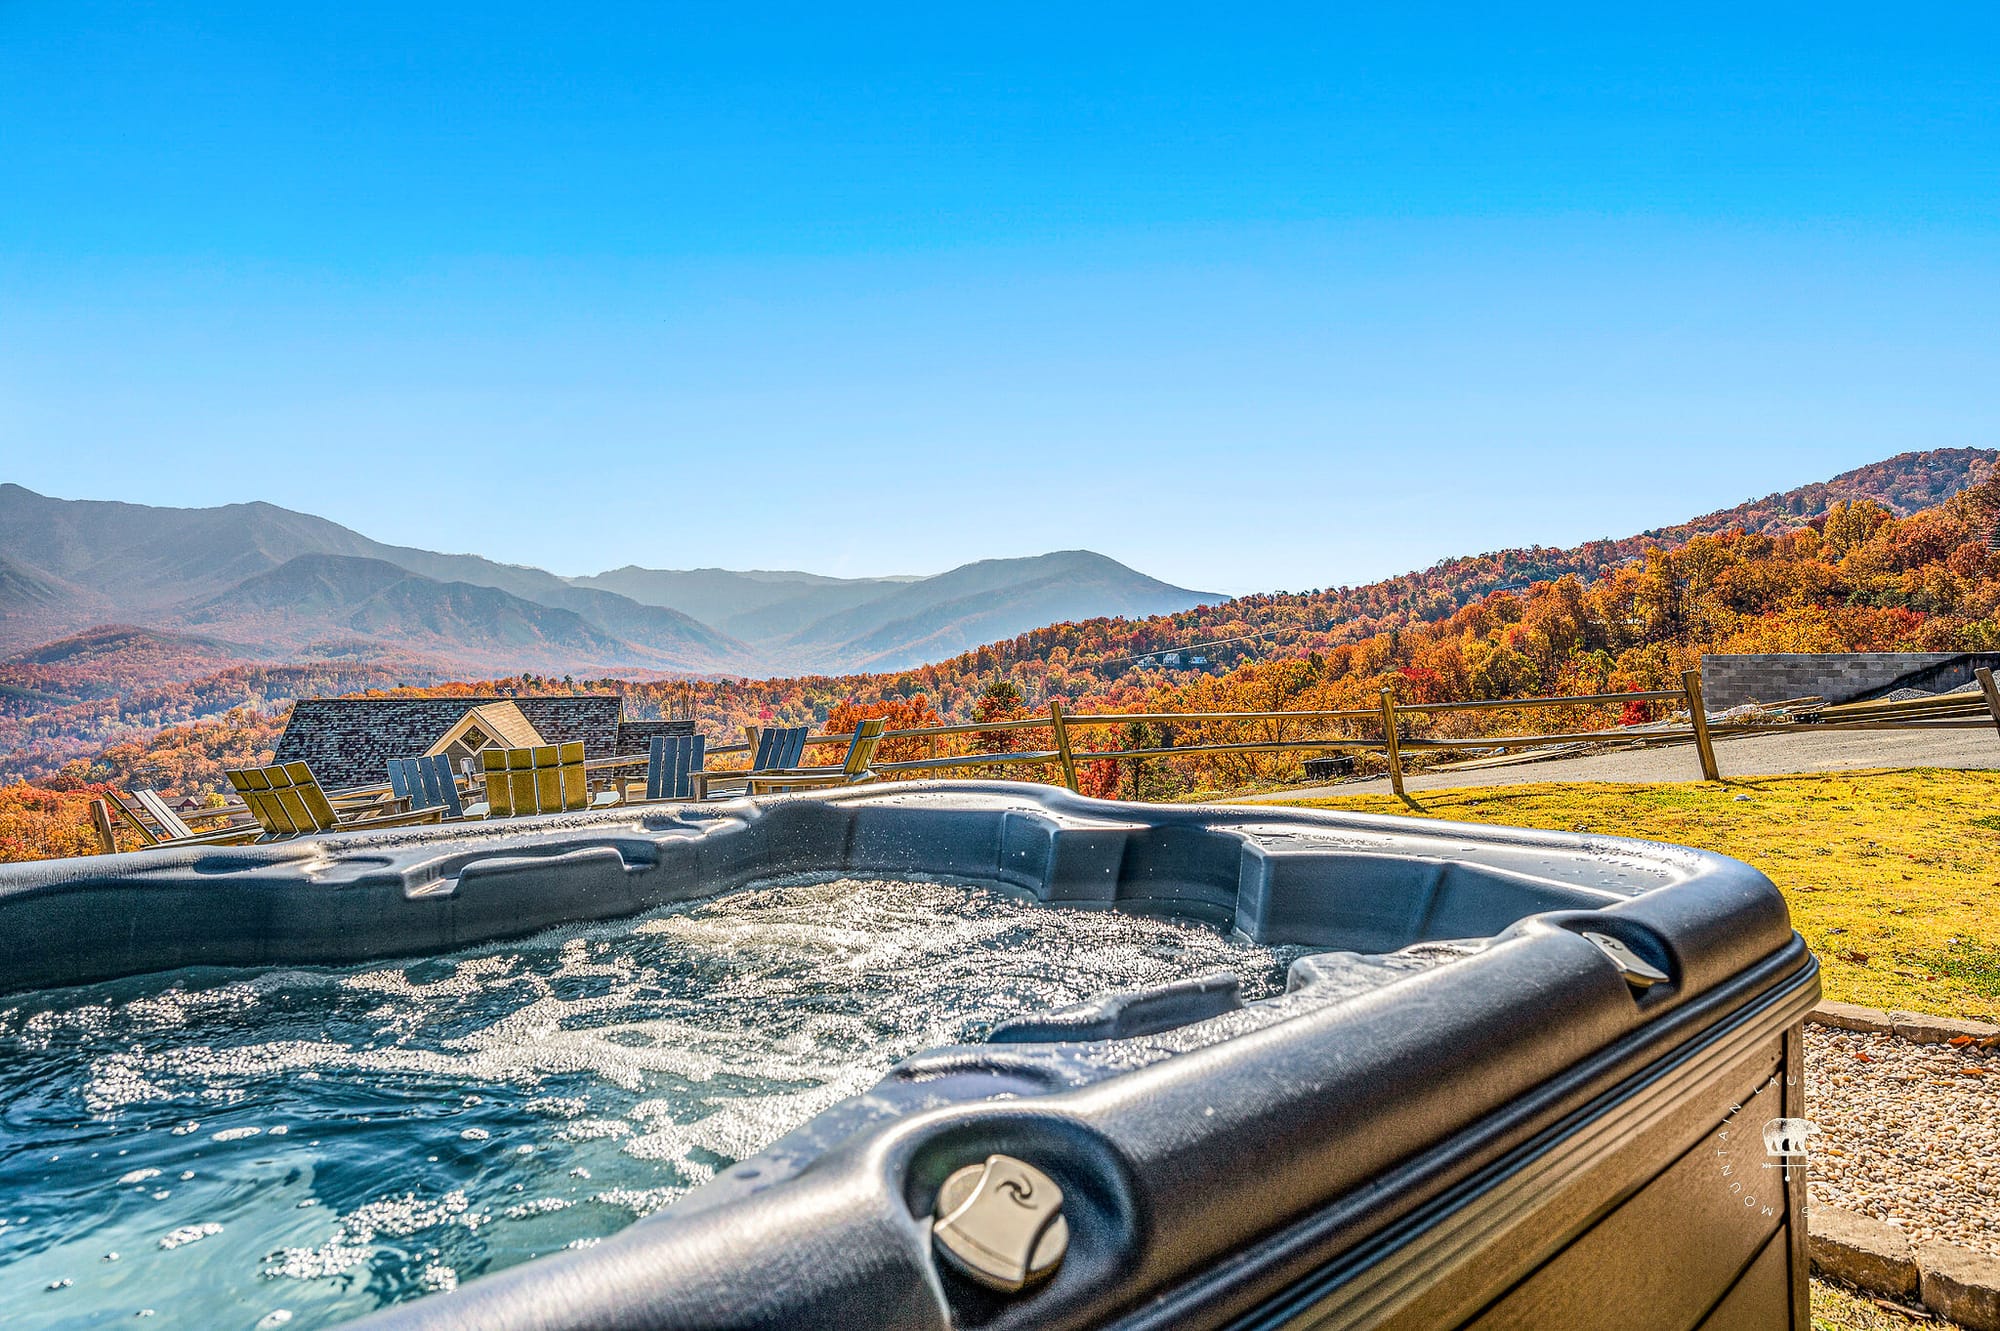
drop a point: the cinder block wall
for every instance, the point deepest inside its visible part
(1728, 681)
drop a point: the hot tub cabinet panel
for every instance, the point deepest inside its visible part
(1521, 1082)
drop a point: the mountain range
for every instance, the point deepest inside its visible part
(278, 584)
(237, 623)
(258, 583)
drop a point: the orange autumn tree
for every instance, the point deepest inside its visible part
(42, 822)
(901, 713)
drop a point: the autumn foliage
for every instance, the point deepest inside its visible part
(901, 714)
(50, 820)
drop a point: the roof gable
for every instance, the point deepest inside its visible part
(501, 721)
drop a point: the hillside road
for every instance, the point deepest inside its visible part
(1754, 755)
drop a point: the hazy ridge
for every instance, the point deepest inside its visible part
(279, 582)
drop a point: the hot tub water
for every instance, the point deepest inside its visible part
(300, 1146)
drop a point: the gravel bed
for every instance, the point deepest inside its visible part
(1911, 695)
(1910, 1134)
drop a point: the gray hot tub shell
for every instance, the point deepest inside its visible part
(1467, 1113)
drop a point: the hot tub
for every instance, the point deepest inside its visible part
(1512, 1078)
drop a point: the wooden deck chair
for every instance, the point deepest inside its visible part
(673, 767)
(775, 749)
(860, 752)
(172, 829)
(786, 747)
(172, 825)
(286, 800)
(427, 783)
(548, 778)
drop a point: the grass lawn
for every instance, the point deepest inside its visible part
(1893, 876)
(1838, 1308)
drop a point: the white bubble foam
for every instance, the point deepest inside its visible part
(187, 1234)
(540, 1206)
(355, 1232)
(593, 1129)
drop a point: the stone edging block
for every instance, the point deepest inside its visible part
(1851, 1017)
(1916, 1027)
(1920, 1029)
(1864, 1252)
(1960, 1285)
(1955, 1283)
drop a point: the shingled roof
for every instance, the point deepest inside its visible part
(349, 741)
(635, 738)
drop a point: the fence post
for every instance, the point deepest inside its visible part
(1698, 714)
(1062, 743)
(1390, 746)
(100, 819)
(1992, 692)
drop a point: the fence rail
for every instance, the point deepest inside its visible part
(1961, 711)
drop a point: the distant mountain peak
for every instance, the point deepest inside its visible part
(812, 622)
(277, 579)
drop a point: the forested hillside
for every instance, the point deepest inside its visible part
(1858, 578)
(1902, 484)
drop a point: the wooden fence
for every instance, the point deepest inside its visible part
(1391, 740)
(1387, 723)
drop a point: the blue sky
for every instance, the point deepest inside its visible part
(1247, 297)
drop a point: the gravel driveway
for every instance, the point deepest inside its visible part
(1756, 755)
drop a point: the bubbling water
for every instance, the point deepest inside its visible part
(301, 1146)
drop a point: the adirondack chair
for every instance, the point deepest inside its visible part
(286, 800)
(776, 749)
(548, 778)
(673, 767)
(157, 808)
(426, 783)
(860, 752)
(173, 829)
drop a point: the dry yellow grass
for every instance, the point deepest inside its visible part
(1838, 1308)
(1893, 877)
